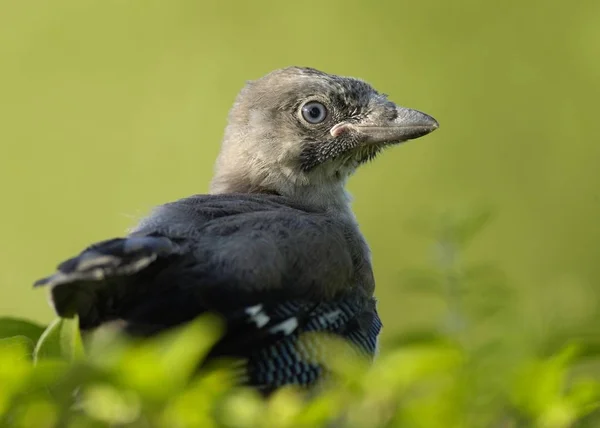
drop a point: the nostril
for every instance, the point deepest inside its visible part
(340, 129)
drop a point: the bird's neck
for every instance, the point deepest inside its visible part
(325, 196)
(331, 198)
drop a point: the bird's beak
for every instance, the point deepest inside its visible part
(407, 125)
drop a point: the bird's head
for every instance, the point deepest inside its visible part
(301, 133)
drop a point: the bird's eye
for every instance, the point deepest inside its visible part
(314, 112)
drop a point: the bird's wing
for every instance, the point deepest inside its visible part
(96, 283)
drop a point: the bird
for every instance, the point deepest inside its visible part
(273, 248)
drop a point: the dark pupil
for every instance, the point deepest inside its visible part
(314, 112)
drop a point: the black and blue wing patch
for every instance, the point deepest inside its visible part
(269, 339)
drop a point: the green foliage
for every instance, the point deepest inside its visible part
(479, 365)
(60, 340)
(28, 331)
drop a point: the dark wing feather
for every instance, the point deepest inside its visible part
(94, 283)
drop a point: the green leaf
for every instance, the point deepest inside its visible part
(19, 327)
(15, 369)
(48, 346)
(539, 386)
(243, 408)
(19, 342)
(399, 370)
(584, 395)
(469, 226)
(161, 366)
(61, 340)
(106, 403)
(36, 412)
(71, 345)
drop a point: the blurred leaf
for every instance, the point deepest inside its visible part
(38, 412)
(48, 346)
(178, 356)
(539, 385)
(283, 408)
(18, 327)
(15, 369)
(557, 414)
(244, 408)
(47, 372)
(586, 336)
(61, 340)
(108, 404)
(18, 342)
(196, 405)
(590, 347)
(71, 344)
(422, 379)
(162, 365)
(460, 229)
(322, 409)
(470, 226)
(401, 369)
(584, 395)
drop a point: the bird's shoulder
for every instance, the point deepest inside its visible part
(265, 242)
(209, 212)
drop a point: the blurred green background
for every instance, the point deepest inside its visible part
(109, 107)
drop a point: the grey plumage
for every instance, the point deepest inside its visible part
(274, 249)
